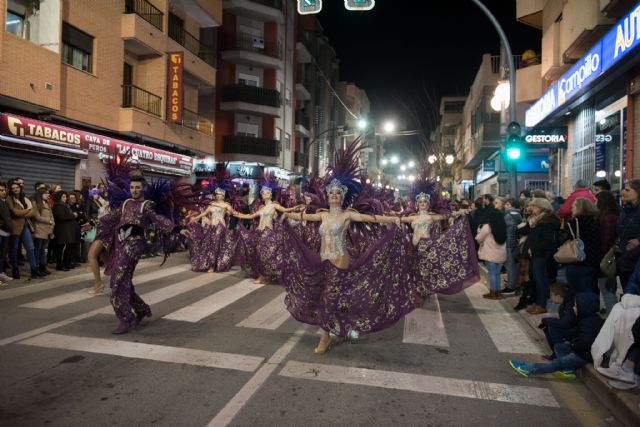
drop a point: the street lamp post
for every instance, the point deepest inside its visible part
(512, 83)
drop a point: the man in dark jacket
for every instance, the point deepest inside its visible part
(512, 218)
(576, 351)
(5, 231)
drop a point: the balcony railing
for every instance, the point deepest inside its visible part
(249, 42)
(495, 63)
(193, 121)
(146, 11)
(250, 145)
(252, 95)
(276, 4)
(301, 159)
(302, 119)
(135, 97)
(192, 44)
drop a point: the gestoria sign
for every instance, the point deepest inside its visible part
(23, 127)
(174, 97)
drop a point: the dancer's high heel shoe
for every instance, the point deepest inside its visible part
(96, 290)
(323, 346)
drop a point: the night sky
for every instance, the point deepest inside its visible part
(392, 50)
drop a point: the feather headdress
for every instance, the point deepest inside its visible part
(219, 181)
(268, 182)
(344, 173)
(426, 189)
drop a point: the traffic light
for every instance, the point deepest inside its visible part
(513, 145)
(359, 4)
(306, 7)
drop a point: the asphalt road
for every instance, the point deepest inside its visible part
(220, 350)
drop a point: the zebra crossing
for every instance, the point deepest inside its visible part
(183, 298)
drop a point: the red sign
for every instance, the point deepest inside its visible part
(174, 98)
(23, 127)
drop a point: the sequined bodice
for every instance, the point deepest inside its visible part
(333, 230)
(421, 226)
(216, 215)
(267, 215)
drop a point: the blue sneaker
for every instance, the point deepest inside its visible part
(565, 374)
(519, 367)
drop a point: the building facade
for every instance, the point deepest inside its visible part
(74, 90)
(590, 81)
(255, 97)
(357, 108)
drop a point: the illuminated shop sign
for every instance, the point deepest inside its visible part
(547, 137)
(617, 43)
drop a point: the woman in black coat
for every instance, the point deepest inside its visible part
(583, 276)
(629, 231)
(64, 231)
(79, 248)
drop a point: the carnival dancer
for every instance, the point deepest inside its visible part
(217, 244)
(263, 247)
(329, 289)
(135, 216)
(443, 260)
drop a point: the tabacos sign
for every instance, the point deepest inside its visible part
(106, 147)
(174, 98)
(623, 38)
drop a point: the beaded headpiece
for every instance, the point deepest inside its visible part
(336, 185)
(423, 197)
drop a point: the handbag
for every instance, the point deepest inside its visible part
(572, 250)
(608, 263)
(90, 235)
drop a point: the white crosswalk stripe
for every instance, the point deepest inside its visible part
(505, 331)
(80, 295)
(206, 307)
(137, 350)
(56, 283)
(425, 325)
(271, 316)
(420, 383)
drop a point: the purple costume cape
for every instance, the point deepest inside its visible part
(125, 254)
(446, 262)
(212, 247)
(263, 250)
(372, 294)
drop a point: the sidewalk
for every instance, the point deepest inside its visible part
(625, 405)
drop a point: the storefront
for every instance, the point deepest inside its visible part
(42, 151)
(593, 99)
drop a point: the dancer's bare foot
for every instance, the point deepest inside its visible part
(260, 280)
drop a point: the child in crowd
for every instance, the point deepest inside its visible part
(575, 352)
(557, 328)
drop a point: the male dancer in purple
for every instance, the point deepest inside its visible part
(135, 216)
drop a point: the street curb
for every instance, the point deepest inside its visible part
(624, 405)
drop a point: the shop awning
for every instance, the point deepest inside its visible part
(39, 147)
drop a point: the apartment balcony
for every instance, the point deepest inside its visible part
(198, 123)
(253, 51)
(303, 124)
(302, 90)
(530, 84)
(529, 12)
(301, 159)
(199, 60)
(141, 28)
(486, 141)
(235, 145)
(263, 10)
(207, 13)
(251, 100)
(140, 99)
(31, 76)
(304, 48)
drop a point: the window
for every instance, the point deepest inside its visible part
(287, 142)
(248, 79)
(247, 129)
(278, 135)
(77, 48)
(14, 24)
